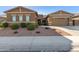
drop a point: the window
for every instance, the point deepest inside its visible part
(27, 18)
(14, 18)
(20, 17)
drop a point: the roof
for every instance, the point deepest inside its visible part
(2, 18)
(76, 15)
(40, 16)
(60, 14)
(20, 7)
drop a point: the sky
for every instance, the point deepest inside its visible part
(45, 9)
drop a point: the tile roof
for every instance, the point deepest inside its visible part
(20, 7)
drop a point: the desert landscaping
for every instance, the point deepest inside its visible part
(24, 31)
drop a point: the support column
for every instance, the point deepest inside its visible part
(68, 21)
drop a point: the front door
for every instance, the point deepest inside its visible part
(44, 22)
(39, 22)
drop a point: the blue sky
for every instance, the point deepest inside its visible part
(45, 9)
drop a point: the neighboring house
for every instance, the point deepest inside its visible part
(21, 14)
(60, 18)
(2, 19)
(75, 20)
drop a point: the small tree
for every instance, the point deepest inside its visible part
(14, 26)
(1, 26)
(5, 24)
(23, 25)
(36, 25)
(31, 26)
(27, 24)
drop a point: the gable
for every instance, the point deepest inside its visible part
(19, 9)
(61, 12)
(61, 16)
(12, 10)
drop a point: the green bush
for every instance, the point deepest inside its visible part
(14, 26)
(31, 26)
(36, 25)
(1, 26)
(5, 25)
(27, 24)
(23, 25)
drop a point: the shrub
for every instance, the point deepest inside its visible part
(5, 25)
(1, 26)
(27, 24)
(15, 32)
(31, 26)
(14, 26)
(36, 25)
(23, 25)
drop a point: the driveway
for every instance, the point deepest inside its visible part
(74, 31)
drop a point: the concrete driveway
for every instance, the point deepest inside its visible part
(74, 31)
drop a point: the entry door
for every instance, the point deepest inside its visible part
(39, 22)
(44, 22)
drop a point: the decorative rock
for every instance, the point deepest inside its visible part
(38, 32)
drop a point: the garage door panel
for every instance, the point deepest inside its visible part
(60, 22)
(77, 22)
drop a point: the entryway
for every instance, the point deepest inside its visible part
(75, 22)
(42, 22)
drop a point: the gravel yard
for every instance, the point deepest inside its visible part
(41, 31)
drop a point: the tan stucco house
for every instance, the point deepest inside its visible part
(2, 19)
(21, 14)
(59, 18)
(75, 20)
